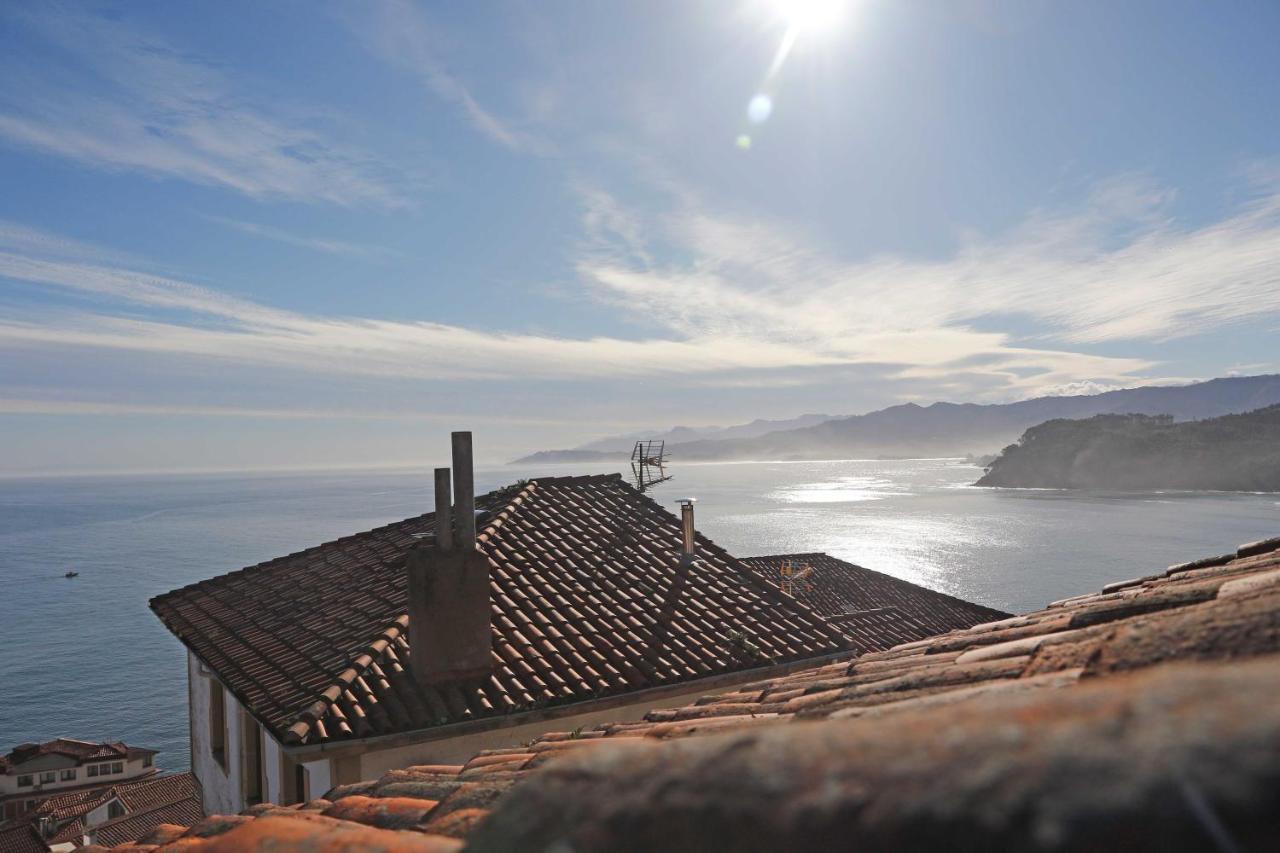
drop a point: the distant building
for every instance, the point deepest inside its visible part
(119, 813)
(577, 599)
(33, 772)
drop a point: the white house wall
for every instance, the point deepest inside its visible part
(318, 777)
(271, 758)
(222, 789)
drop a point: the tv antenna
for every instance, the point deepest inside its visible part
(793, 575)
(649, 463)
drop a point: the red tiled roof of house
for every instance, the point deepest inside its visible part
(588, 600)
(171, 815)
(168, 788)
(71, 833)
(1145, 716)
(876, 610)
(84, 799)
(21, 837)
(162, 796)
(80, 750)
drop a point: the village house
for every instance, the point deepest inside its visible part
(117, 813)
(33, 772)
(1144, 717)
(574, 599)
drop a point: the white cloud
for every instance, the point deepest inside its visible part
(128, 101)
(745, 299)
(1117, 270)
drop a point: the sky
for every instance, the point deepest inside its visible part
(306, 234)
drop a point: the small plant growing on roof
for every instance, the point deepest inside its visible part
(740, 642)
(509, 491)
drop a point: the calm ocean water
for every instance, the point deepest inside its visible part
(84, 657)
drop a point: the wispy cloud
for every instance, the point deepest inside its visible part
(316, 244)
(17, 406)
(749, 299)
(128, 101)
(217, 325)
(399, 33)
(1119, 269)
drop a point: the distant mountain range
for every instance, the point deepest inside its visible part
(682, 434)
(1141, 452)
(941, 429)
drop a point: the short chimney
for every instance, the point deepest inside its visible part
(688, 544)
(449, 632)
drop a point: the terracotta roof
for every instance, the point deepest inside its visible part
(71, 833)
(177, 814)
(877, 611)
(80, 750)
(80, 800)
(149, 802)
(1145, 716)
(21, 837)
(588, 600)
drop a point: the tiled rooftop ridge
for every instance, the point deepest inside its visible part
(877, 611)
(81, 750)
(1167, 735)
(588, 600)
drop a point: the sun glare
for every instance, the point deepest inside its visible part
(811, 16)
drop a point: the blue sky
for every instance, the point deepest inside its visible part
(301, 234)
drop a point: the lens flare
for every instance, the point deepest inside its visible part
(760, 108)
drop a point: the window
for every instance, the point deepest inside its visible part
(117, 767)
(115, 810)
(69, 775)
(47, 777)
(93, 770)
(104, 769)
(146, 761)
(218, 723)
(251, 770)
(302, 782)
(24, 781)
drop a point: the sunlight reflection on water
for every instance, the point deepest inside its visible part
(842, 490)
(134, 537)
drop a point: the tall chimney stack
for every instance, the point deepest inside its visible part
(464, 490)
(688, 545)
(449, 631)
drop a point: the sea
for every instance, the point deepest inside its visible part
(84, 657)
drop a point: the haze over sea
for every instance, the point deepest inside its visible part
(84, 657)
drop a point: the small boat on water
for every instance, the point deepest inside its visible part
(71, 574)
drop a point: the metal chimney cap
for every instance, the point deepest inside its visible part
(686, 501)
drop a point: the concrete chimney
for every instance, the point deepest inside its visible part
(448, 584)
(444, 510)
(689, 544)
(464, 491)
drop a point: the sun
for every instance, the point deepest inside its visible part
(810, 16)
